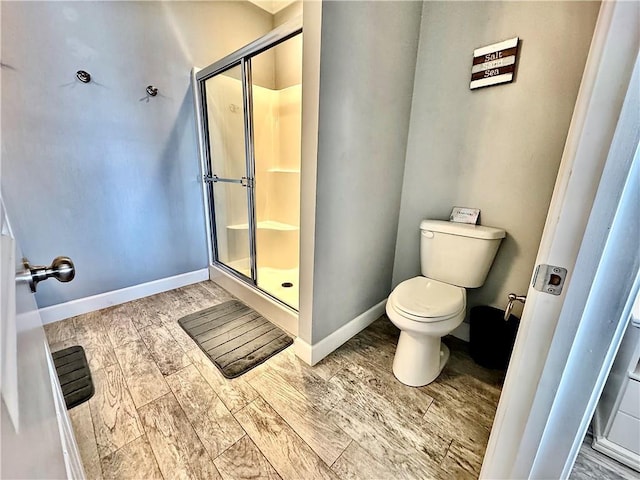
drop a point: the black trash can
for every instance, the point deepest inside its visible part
(491, 338)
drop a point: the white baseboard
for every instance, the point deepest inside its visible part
(618, 453)
(312, 354)
(303, 351)
(96, 302)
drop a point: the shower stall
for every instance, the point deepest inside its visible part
(249, 115)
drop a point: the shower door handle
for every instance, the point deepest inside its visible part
(215, 179)
(244, 181)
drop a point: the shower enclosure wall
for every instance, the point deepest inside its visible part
(250, 123)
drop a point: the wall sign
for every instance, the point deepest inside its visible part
(494, 64)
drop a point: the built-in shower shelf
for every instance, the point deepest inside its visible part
(266, 225)
(284, 170)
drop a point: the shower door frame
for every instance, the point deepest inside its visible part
(241, 57)
(246, 181)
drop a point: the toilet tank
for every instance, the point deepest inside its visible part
(458, 253)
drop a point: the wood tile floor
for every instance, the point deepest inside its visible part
(162, 409)
(593, 465)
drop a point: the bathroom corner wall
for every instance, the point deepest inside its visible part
(368, 58)
(97, 171)
(288, 71)
(497, 148)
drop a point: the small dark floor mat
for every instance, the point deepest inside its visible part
(74, 375)
(235, 337)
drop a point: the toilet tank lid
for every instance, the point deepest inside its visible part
(463, 229)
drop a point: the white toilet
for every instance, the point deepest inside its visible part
(453, 256)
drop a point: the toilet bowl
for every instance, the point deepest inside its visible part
(453, 257)
(424, 310)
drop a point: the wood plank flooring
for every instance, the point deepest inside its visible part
(163, 410)
(593, 465)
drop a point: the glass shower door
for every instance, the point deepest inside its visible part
(228, 164)
(249, 119)
(276, 86)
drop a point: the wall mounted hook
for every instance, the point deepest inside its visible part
(152, 91)
(84, 77)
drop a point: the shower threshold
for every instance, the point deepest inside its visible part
(266, 303)
(274, 281)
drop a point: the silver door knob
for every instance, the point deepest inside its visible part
(62, 269)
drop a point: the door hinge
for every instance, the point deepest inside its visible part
(549, 279)
(210, 178)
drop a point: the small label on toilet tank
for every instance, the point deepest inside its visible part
(465, 215)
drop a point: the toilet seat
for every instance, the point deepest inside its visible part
(426, 300)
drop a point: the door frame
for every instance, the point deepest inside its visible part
(544, 411)
(249, 164)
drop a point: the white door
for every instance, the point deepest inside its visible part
(37, 440)
(551, 369)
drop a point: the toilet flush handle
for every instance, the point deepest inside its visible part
(428, 234)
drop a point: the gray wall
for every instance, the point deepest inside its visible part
(498, 148)
(368, 58)
(95, 171)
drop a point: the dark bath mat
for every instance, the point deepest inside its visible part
(235, 337)
(74, 375)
